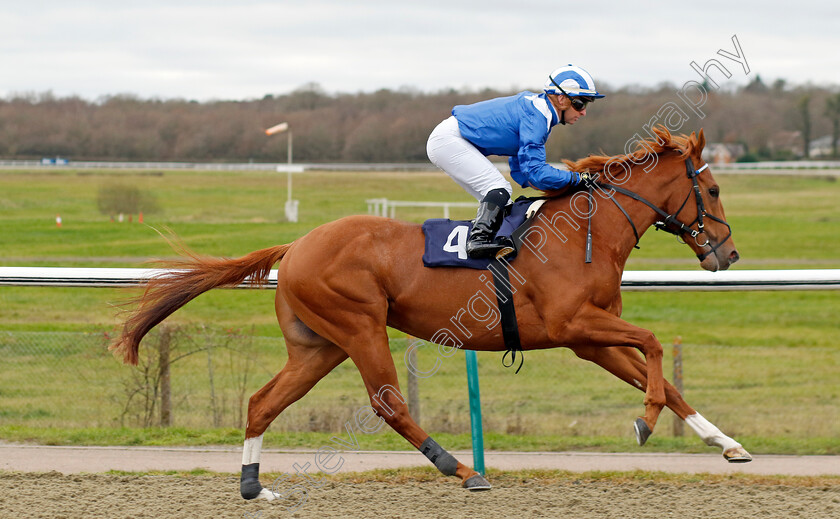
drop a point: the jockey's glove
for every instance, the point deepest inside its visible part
(584, 177)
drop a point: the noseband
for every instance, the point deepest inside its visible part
(670, 222)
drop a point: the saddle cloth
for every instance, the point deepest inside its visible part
(446, 240)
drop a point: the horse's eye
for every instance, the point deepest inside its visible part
(714, 192)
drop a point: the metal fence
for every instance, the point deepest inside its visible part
(193, 377)
(821, 167)
(202, 376)
(70, 380)
(188, 376)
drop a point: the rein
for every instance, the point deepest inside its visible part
(670, 222)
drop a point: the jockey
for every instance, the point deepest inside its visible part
(517, 127)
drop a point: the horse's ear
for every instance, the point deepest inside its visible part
(701, 141)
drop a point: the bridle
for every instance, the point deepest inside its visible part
(670, 222)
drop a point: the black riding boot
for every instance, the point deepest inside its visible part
(491, 213)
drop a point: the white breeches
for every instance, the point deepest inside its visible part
(459, 159)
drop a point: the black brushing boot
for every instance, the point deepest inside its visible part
(491, 214)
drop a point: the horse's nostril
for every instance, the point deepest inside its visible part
(734, 256)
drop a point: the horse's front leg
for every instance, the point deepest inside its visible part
(595, 327)
(626, 364)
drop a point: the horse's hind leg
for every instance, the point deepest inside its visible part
(368, 348)
(349, 307)
(626, 364)
(376, 366)
(310, 359)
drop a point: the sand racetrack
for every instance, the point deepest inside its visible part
(55, 495)
(68, 482)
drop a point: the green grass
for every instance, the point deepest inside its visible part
(762, 365)
(749, 391)
(218, 214)
(777, 221)
(388, 440)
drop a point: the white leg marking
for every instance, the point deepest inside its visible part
(268, 495)
(710, 434)
(252, 449)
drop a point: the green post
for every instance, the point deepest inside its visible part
(475, 412)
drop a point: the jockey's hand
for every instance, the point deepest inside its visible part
(585, 178)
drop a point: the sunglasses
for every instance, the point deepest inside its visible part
(578, 102)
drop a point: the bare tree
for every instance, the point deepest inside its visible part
(116, 199)
(832, 111)
(805, 113)
(382, 126)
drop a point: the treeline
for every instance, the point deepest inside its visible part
(383, 126)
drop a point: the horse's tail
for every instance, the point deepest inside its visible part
(194, 276)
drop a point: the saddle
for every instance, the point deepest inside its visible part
(446, 246)
(446, 240)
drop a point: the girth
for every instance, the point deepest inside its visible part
(507, 312)
(499, 267)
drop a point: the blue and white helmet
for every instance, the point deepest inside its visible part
(572, 81)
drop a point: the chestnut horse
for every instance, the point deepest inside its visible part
(343, 283)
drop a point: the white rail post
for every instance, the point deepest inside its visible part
(632, 280)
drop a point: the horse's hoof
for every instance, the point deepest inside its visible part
(643, 432)
(250, 489)
(737, 455)
(476, 483)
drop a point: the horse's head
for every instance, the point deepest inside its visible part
(696, 209)
(682, 192)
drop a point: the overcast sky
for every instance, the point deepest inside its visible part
(244, 50)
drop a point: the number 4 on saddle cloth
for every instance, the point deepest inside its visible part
(446, 240)
(446, 246)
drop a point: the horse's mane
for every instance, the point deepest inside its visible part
(686, 145)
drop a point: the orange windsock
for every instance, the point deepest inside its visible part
(282, 127)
